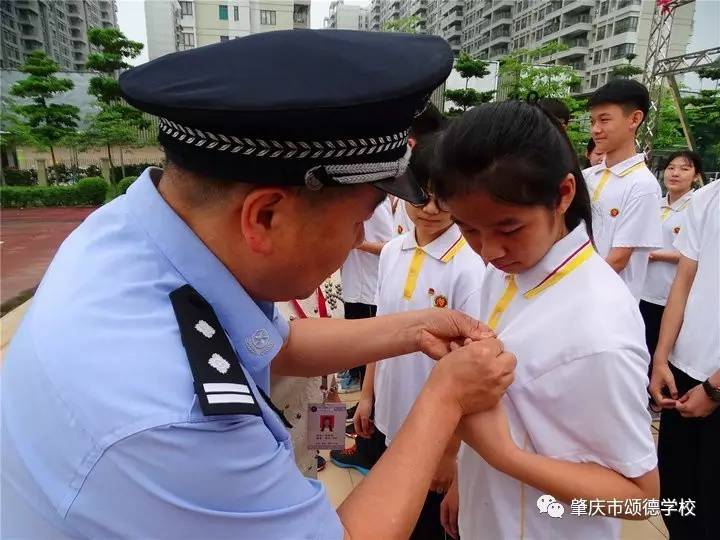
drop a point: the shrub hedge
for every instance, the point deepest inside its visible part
(86, 192)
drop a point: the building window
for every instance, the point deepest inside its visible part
(186, 8)
(236, 13)
(628, 24)
(188, 40)
(267, 17)
(224, 38)
(593, 81)
(597, 57)
(223, 12)
(600, 33)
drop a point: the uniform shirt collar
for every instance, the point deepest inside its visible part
(554, 258)
(623, 168)
(679, 203)
(443, 248)
(244, 320)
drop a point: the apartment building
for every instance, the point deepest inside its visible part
(202, 22)
(59, 27)
(347, 17)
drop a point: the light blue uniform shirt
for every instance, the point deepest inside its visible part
(102, 434)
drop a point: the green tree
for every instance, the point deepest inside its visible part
(469, 67)
(49, 122)
(520, 75)
(625, 71)
(465, 98)
(117, 123)
(703, 116)
(668, 133)
(406, 25)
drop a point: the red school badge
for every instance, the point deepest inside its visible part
(441, 301)
(400, 229)
(676, 230)
(614, 212)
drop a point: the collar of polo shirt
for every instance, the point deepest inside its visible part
(624, 167)
(680, 203)
(443, 248)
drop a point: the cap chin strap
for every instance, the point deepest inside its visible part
(356, 173)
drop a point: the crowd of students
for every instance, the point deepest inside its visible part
(604, 289)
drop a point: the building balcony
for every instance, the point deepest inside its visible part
(576, 25)
(575, 6)
(502, 18)
(578, 65)
(504, 4)
(498, 41)
(578, 49)
(453, 17)
(453, 31)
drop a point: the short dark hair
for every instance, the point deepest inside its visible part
(502, 148)
(431, 120)
(423, 157)
(557, 108)
(690, 156)
(628, 93)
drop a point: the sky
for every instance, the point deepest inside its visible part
(131, 18)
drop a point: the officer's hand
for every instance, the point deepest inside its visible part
(474, 376)
(440, 328)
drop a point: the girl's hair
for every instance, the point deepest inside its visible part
(514, 151)
(423, 157)
(691, 157)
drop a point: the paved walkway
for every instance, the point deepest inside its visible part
(29, 239)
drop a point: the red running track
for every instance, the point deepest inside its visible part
(30, 238)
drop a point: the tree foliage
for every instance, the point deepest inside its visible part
(406, 25)
(521, 76)
(117, 123)
(48, 123)
(625, 71)
(465, 98)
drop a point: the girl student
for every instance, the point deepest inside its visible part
(574, 424)
(682, 171)
(431, 266)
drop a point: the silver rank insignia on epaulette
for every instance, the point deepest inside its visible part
(220, 382)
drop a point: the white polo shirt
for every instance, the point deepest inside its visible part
(401, 221)
(660, 274)
(579, 390)
(625, 201)
(697, 349)
(442, 274)
(359, 272)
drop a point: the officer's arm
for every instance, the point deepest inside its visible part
(321, 346)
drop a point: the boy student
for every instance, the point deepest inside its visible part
(624, 193)
(429, 267)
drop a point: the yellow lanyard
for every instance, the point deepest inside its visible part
(413, 273)
(502, 304)
(606, 176)
(665, 213)
(601, 185)
(564, 269)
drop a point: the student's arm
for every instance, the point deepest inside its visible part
(321, 346)
(489, 435)
(619, 257)
(638, 226)
(387, 502)
(371, 247)
(670, 326)
(363, 425)
(665, 255)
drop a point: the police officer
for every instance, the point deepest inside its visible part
(134, 392)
